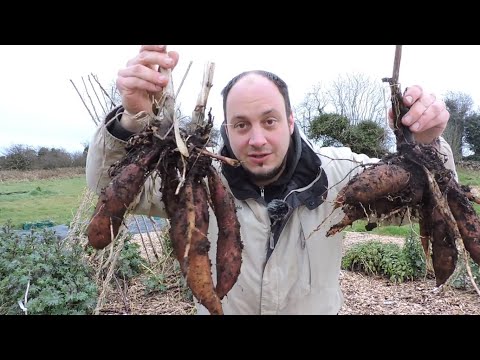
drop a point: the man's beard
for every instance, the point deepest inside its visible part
(265, 177)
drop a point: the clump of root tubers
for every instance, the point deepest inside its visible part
(190, 184)
(414, 182)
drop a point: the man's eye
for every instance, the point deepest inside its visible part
(240, 126)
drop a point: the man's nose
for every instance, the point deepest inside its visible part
(257, 137)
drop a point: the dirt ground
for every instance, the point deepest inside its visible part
(31, 175)
(367, 295)
(364, 295)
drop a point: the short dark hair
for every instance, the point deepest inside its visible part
(279, 83)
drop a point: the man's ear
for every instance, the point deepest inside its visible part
(291, 121)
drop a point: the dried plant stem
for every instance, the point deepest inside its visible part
(150, 238)
(90, 98)
(84, 104)
(141, 237)
(159, 238)
(198, 115)
(229, 161)
(183, 79)
(103, 91)
(123, 294)
(106, 282)
(441, 203)
(169, 111)
(96, 95)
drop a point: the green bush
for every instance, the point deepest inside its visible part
(413, 252)
(130, 261)
(51, 274)
(397, 263)
(367, 137)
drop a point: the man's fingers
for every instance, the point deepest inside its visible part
(131, 83)
(426, 113)
(430, 120)
(159, 48)
(144, 73)
(412, 94)
(422, 105)
(153, 59)
(427, 103)
(174, 56)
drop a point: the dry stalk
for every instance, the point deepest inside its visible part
(198, 115)
(441, 203)
(79, 222)
(112, 103)
(96, 119)
(84, 104)
(90, 98)
(141, 238)
(159, 237)
(168, 102)
(96, 95)
(123, 293)
(229, 161)
(183, 79)
(105, 285)
(149, 237)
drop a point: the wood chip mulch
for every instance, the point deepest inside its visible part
(364, 295)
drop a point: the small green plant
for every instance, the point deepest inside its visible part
(130, 261)
(166, 274)
(461, 280)
(413, 252)
(40, 274)
(155, 283)
(397, 263)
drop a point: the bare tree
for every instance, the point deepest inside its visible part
(312, 106)
(460, 106)
(353, 96)
(358, 98)
(19, 157)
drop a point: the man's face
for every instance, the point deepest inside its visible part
(258, 128)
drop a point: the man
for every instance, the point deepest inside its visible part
(288, 266)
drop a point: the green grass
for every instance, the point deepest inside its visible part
(391, 230)
(56, 200)
(468, 177)
(477, 208)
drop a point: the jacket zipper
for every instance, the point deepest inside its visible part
(271, 234)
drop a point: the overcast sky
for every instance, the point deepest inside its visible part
(40, 107)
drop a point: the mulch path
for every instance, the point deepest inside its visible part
(364, 295)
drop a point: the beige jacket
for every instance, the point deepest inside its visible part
(302, 274)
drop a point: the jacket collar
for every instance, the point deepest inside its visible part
(302, 183)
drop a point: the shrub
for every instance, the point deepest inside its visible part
(397, 263)
(52, 275)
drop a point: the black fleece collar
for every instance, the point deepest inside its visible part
(303, 168)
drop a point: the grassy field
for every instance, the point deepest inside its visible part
(468, 177)
(41, 196)
(55, 195)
